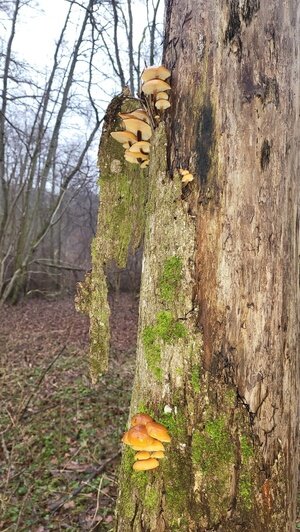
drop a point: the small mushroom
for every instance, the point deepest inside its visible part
(140, 419)
(145, 163)
(124, 136)
(152, 447)
(158, 431)
(154, 86)
(140, 114)
(161, 105)
(153, 72)
(158, 454)
(137, 155)
(130, 158)
(142, 455)
(139, 438)
(139, 128)
(187, 178)
(145, 465)
(183, 172)
(125, 438)
(144, 147)
(162, 96)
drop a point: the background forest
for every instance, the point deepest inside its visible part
(60, 66)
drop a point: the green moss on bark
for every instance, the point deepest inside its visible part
(170, 278)
(121, 220)
(195, 378)
(164, 330)
(246, 480)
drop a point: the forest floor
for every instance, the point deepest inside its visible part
(60, 436)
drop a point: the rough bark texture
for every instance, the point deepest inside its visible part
(218, 330)
(120, 230)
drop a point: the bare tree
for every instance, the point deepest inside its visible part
(40, 155)
(45, 157)
(132, 38)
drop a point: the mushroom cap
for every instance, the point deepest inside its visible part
(145, 163)
(124, 136)
(152, 447)
(162, 104)
(130, 158)
(142, 455)
(141, 114)
(183, 172)
(144, 465)
(134, 125)
(125, 438)
(139, 438)
(158, 431)
(140, 419)
(162, 96)
(187, 178)
(153, 72)
(144, 147)
(158, 454)
(154, 86)
(137, 155)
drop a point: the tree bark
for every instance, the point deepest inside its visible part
(218, 328)
(120, 230)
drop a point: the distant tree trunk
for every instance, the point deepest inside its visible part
(218, 331)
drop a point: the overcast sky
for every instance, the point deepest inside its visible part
(39, 27)
(37, 32)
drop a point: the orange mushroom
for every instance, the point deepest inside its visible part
(158, 431)
(158, 454)
(142, 455)
(152, 447)
(125, 438)
(145, 465)
(140, 419)
(139, 438)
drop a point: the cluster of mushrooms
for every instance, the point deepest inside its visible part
(138, 124)
(146, 437)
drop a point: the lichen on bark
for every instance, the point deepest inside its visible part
(120, 229)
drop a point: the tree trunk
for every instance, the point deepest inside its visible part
(218, 330)
(120, 230)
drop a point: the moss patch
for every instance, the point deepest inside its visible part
(195, 378)
(170, 279)
(175, 423)
(213, 454)
(164, 330)
(152, 498)
(213, 446)
(177, 476)
(246, 482)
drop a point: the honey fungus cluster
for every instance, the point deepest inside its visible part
(138, 125)
(147, 437)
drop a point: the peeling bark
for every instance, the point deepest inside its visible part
(120, 230)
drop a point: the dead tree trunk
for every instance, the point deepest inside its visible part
(218, 331)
